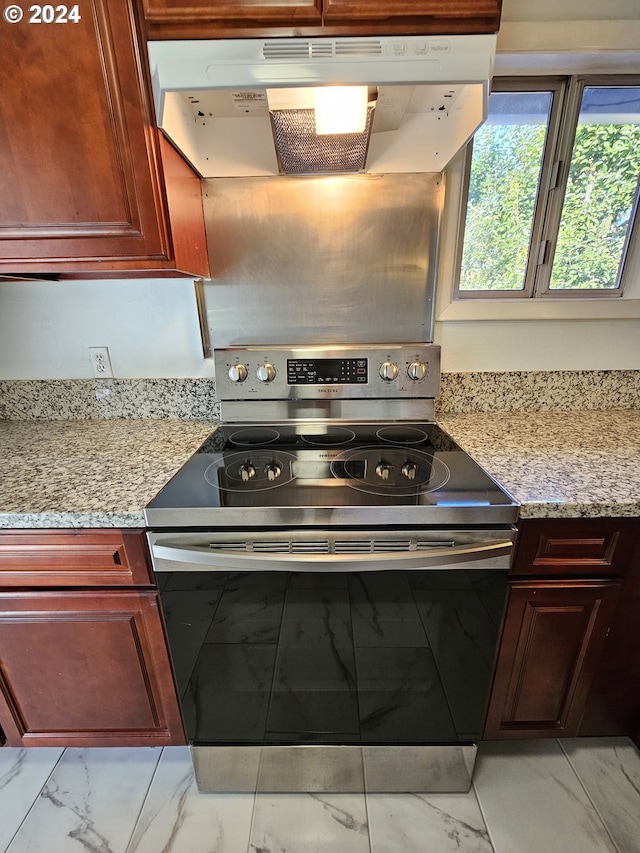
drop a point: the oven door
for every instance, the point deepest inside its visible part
(333, 660)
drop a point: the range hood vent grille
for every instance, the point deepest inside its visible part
(301, 151)
(358, 48)
(292, 49)
(277, 50)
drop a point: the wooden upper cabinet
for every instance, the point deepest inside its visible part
(455, 16)
(247, 12)
(177, 19)
(82, 178)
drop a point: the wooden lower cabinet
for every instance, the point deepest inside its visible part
(85, 668)
(553, 638)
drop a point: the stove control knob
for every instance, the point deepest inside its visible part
(383, 469)
(409, 470)
(417, 370)
(247, 471)
(273, 471)
(266, 373)
(388, 371)
(237, 373)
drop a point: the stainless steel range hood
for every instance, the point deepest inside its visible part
(428, 96)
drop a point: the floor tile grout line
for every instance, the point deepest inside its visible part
(35, 799)
(589, 797)
(483, 816)
(368, 818)
(144, 801)
(253, 815)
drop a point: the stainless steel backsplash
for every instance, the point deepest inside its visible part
(321, 260)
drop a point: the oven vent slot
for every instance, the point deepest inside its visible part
(265, 546)
(230, 546)
(391, 545)
(372, 546)
(319, 547)
(355, 546)
(286, 546)
(426, 544)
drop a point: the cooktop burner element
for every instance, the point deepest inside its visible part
(331, 436)
(251, 472)
(254, 436)
(388, 470)
(401, 434)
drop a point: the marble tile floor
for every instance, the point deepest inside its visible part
(570, 796)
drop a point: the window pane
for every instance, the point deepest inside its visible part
(505, 173)
(600, 191)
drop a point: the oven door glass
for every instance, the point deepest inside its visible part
(388, 657)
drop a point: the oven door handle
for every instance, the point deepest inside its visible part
(207, 558)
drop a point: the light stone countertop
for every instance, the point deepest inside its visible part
(87, 473)
(101, 473)
(580, 464)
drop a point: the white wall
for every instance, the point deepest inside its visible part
(151, 329)
(539, 345)
(150, 326)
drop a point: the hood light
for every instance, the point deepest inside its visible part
(340, 109)
(337, 109)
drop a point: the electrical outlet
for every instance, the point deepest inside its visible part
(100, 362)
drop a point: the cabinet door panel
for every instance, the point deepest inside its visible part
(82, 668)
(242, 11)
(472, 12)
(81, 171)
(552, 641)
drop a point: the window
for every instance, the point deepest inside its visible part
(551, 186)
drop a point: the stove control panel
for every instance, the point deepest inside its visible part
(327, 371)
(396, 371)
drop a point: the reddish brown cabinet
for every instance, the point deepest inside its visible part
(249, 13)
(563, 599)
(88, 187)
(552, 640)
(204, 19)
(613, 705)
(85, 666)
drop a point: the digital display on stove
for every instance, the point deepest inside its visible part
(327, 371)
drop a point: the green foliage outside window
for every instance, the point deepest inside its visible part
(503, 187)
(502, 195)
(597, 206)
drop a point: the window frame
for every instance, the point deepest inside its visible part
(554, 173)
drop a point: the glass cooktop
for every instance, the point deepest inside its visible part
(244, 473)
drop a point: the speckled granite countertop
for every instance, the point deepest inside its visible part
(558, 464)
(101, 473)
(89, 473)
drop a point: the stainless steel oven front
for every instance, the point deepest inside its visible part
(323, 660)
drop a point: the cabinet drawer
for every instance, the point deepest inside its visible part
(584, 547)
(73, 558)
